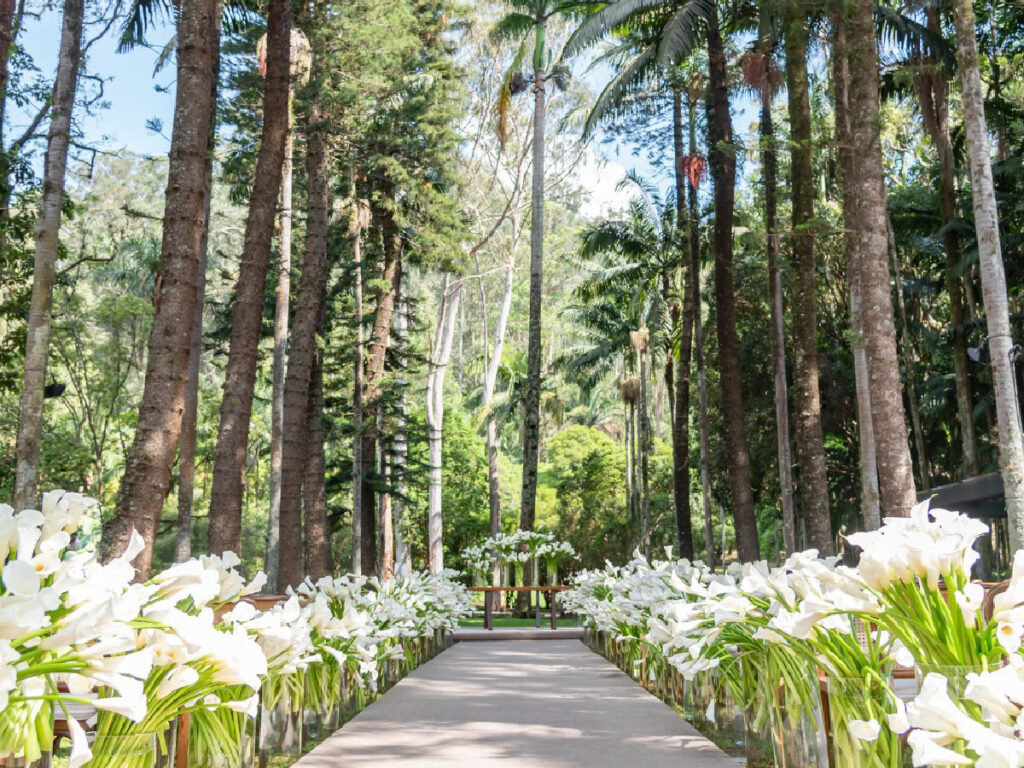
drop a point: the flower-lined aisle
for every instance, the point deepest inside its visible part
(771, 656)
(119, 664)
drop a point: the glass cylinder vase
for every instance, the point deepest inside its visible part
(854, 705)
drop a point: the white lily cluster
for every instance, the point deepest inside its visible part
(75, 632)
(517, 549)
(910, 603)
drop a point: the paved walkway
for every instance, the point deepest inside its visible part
(522, 703)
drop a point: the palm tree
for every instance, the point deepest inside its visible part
(993, 276)
(528, 18)
(865, 214)
(621, 308)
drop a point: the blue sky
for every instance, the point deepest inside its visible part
(135, 96)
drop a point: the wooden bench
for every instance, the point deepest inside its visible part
(489, 593)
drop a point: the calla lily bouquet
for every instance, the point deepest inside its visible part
(78, 634)
(517, 549)
(910, 603)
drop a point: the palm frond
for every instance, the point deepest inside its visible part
(636, 73)
(901, 31)
(505, 93)
(604, 21)
(682, 33)
(511, 27)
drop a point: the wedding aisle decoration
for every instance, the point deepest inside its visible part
(814, 643)
(80, 636)
(514, 550)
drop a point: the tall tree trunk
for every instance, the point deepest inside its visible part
(866, 207)
(810, 445)
(910, 364)
(229, 463)
(37, 342)
(302, 352)
(448, 312)
(490, 382)
(934, 101)
(190, 416)
(641, 343)
(704, 440)
(360, 222)
(380, 340)
(7, 33)
(723, 173)
(681, 404)
(147, 475)
(769, 164)
(403, 554)
(384, 515)
(319, 562)
(993, 277)
(282, 295)
(869, 501)
(531, 393)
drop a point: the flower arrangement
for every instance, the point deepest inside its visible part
(762, 633)
(75, 632)
(516, 549)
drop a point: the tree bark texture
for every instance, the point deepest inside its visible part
(869, 500)
(531, 394)
(810, 445)
(380, 341)
(400, 460)
(362, 220)
(302, 353)
(993, 276)
(681, 404)
(147, 475)
(769, 161)
(866, 215)
(722, 163)
(319, 561)
(190, 416)
(225, 531)
(47, 233)
(440, 355)
(282, 296)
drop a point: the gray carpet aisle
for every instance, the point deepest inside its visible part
(523, 703)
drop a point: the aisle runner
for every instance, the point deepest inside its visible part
(526, 703)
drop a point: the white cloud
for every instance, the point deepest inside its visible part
(599, 177)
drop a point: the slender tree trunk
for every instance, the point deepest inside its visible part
(704, 441)
(147, 475)
(403, 555)
(723, 173)
(319, 561)
(681, 404)
(870, 512)
(933, 96)
(810, 445)
(386, 522)
(910, 364)
(282, 296)
(229, 463)
(380, 340)
(490, 382)
(7, 33)
(190, 417)
(37, 343)
(361, 221)
(531, 394)
(641, 343)
(778, 320)
(866, 206)
(440, 355)
(993, 277)
(302, 353)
